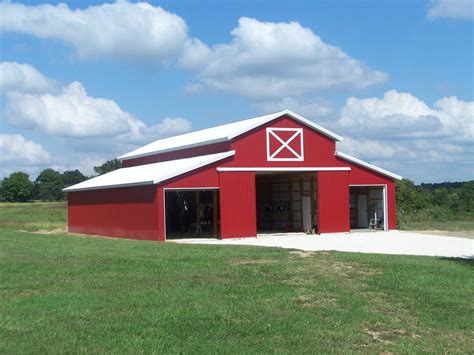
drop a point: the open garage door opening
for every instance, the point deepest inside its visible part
(286, 202)
(368, 207)
(192, 214)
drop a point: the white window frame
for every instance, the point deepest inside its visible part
(285, 144)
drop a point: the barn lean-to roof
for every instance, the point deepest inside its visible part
(149, 174)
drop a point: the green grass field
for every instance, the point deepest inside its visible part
(64, 293)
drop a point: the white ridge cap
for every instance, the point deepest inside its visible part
(368, 165)
(223, 133)
(148, 174)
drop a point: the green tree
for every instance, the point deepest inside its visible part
(48, 185)
(72, 177)
(108, 166)
(17, 187)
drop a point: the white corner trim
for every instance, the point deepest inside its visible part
(297, 169)
(297, 133)
(368, 165)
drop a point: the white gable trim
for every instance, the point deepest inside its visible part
(219, 134)
(296, 117)
(368, 165)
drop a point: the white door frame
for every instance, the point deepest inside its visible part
(385, 204)
(178, 189)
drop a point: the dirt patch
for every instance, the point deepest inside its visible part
(306, 298)
(458, 234)
(60, 230)
(385, 336)
(303, 254)
(251, 261)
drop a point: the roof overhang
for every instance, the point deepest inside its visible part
(368, 165)
(148, 174)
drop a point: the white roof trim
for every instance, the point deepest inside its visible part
(148, 174)
(219, 134)
(368, 165)
(301, 169)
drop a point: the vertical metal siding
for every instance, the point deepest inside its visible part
(238, 204)
(179, 154)
(333, 202)
(121, 212)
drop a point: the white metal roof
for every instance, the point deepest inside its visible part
(368, 165)
(148, 174)
(219, 134)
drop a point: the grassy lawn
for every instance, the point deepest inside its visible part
(61, 293)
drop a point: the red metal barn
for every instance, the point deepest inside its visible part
(274, 173)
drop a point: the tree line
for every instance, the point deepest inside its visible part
(434, 202)
(48, 186)
(424, 202)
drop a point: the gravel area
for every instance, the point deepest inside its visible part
(392, 242)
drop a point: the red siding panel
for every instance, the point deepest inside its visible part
(333, 202)
(122, 212)
(179, 154)
(238, 204)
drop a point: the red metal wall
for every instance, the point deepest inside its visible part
(363, 176)
(333, 201)
(238, 204)
(121, 212)
(179, 154)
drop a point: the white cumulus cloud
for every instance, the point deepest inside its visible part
(273, 60)
(23, 78)
(14, 148)
(125, 31)
(453, 9)
(401, 132)
(71, 112)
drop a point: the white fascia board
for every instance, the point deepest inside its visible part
(128, 156)
(141, 183)
(297, 169)
(314, 125)
(368, 165)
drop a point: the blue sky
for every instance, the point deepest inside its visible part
(85, 82)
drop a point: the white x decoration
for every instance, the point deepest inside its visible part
(273, 156)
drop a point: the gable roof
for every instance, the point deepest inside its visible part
(219, 134)
(149, 174)
(367, 165)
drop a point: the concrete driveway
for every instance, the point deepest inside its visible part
(392, 242)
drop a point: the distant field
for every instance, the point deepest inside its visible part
(33, 216)
(66, 293)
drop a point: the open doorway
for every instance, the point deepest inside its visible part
(286, 202)
(368, 207)
(192, 213)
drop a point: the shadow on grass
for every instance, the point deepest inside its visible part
(468, 261)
